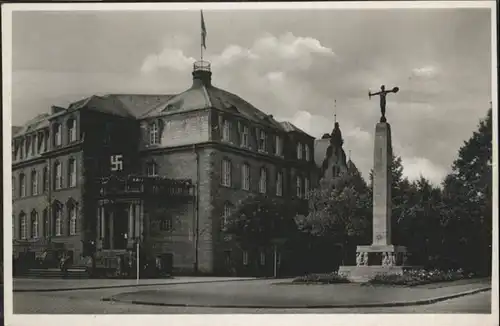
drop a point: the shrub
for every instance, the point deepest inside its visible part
(420, 276)
(330, 278)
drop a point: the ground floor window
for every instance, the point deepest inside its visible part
(262, 258)
(245, 258)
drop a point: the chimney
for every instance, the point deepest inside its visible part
(202, 76)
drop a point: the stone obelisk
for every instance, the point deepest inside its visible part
(381, 257)
(382, 204)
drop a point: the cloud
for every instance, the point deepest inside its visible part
(425, 72)
(415, 167)
(169, 58)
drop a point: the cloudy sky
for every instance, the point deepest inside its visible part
(289, 63)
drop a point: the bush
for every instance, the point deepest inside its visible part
(418, 277)
(330, 278)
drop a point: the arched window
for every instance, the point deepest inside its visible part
(34, 225)
(21, 149)
(226, 213)
(57, 135)
(58, 219)
(72, 172)
(45, 216)
(306, 187)
(23, 230)
(45, 179)
(34, 183)
(22, 185)
(154, 133)
(71, 130)
(263, 181)
(308, 152)
(57, 175)
(299, 186)
(72, 212)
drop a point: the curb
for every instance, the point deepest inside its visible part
(126, 286)
(367, 305)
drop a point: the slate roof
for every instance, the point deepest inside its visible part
(38, 122)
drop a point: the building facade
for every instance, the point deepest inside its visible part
(93, 173)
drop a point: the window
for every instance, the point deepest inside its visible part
(13, 226)
(45, 216)
(245, 258)
(306, 187)
(226, 173)
(28, 146)
(58, 176)
(279, 184)
(244, 137)
(40, 143)
(34, 183)
(58, 220)
(33, 145)
(72, 172)
(34, 225)
(245, 176)
(299, 151)
(262, 141)
(167, 224)
(21, 149)
(154, 137)
(262, 258)
(71, 130)
(72, 219)
(308, 152)
(22, 185)
(279, 147)
(152, 169)
(226, 213)
(226, 131)
(45, 179)
(13, 187)
(263, 181)
(57, 135)
(24, 226)
(299, 187)
(45, 142)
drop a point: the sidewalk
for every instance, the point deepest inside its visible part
(48, 285)
(264, 294)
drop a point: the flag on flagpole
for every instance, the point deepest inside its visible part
(203, 32)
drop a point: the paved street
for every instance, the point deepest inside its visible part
(89, 301)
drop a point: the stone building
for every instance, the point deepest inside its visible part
(79, 173)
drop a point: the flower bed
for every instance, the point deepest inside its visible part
(330, 278)
(421, 276)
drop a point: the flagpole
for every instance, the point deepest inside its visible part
(201, 37)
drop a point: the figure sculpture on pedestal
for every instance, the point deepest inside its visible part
(359, 259)
(383, 93)
(365, 258)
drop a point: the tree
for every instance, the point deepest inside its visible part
(259, 220)
(341, 212)
(468, 199)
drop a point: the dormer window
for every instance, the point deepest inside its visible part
(21, 149)
(71, 130)
(226, 131)
(279, 145)
(244, 136)
(154, 134)
(57, 135)
(262, 141)
(299, 151)
(308, 153)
